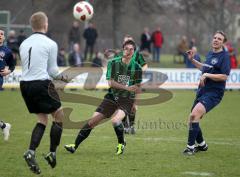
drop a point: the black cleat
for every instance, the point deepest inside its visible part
(201, 148)
(189, 151)
(31, 162)
(70, 148)
(51, 159)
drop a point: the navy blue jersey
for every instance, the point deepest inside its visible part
(216, 63)
(6, 58)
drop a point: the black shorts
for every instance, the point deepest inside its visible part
(110, 104)
(40, 96)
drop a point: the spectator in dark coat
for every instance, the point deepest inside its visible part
(90, 35)
(61, 58)
(97, 61)
(146, 40)
(74, 35)
(21, 37)
(12, 43)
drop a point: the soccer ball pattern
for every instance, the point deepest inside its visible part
(83, 11)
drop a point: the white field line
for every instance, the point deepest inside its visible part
(193, 173)
(166, 139)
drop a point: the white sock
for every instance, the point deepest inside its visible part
(191, 147)
(202, 143)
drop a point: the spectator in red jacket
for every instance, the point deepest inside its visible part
(157, 40)
(233, 58)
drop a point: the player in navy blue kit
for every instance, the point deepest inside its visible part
(7, 65)
(210, 92)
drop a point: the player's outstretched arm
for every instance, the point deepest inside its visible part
(196, 63)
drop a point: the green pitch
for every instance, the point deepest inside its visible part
(156, 149)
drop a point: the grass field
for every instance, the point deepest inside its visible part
(155, 151)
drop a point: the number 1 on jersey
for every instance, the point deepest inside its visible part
(29, 56)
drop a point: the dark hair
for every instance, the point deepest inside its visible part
(129, 42)
(223, 34)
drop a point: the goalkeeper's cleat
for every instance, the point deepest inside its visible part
(51, 159)
(6, 131)
(201, 148)
(70, 148)
(120, 149)
(31, 162)
(189, 151)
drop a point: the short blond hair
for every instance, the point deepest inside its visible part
(38, 20)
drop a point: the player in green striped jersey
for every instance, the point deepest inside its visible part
(129, 119)
(124, 77)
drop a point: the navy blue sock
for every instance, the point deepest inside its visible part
(2, 125)
(192, 133)
(199, 138)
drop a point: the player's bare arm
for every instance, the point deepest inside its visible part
(215, 77)
(5, 71)
(198, 64)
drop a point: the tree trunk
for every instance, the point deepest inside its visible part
(116, 20)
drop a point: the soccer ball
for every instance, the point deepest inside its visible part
(83, 11)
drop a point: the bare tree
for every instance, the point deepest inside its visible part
(116, 20)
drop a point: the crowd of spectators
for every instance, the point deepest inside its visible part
(150, 45)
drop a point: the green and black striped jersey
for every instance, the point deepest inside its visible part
(125, 74)
(139, 57)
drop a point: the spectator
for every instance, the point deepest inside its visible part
(192, 43)
(21, 37)
(74, 35)
(233, 58)
(238, 51)
(12, 43)
(90, 35)
(146, 40)
(97, 61)
(227, 45)
(75, 57)
(157, 39)
(61, 58)
(183, 47)
(196, 57)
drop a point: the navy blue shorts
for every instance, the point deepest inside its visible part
(208, 99)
